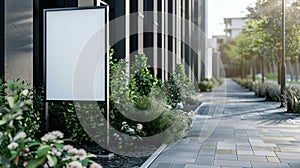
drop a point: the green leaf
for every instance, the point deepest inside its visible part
(59, 146)
(36, 162)
(52, 160)
(10, 101)
(43, 150)
(2, 122)
(35, 143)
(4, 162)
(84, 162)
(25, 92)
(13, 154)
(10, 85)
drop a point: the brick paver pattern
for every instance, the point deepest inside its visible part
(233, 128)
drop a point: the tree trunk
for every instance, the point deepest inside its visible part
(279, 73)
(263, 70)
(297, 69)
(253, 69)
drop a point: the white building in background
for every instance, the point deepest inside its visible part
(234, 26)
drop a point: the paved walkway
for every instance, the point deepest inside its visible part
(236, 130)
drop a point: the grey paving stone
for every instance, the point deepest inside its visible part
(269, 165)
(175, 159)
(252, 158)
(164, 165)
(206, 160)
(287, 156)
(200, 166)
(225, 157)
(207, 152)
(294, 165)
(248, 148)
(244, 133)
(264, 153)
(232, 163)
(225, 145)
(178, 166)
(245, 152)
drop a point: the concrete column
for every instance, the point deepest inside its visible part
(183, 27)
(165, 39)
(155, 36)
(189, 34)
(127, 33)
(140, 26)
(204, 48)
(174, 33)
(179, 35)
(2, 34)
(161, 39)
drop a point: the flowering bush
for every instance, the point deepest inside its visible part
(49, 152)
(130, 135)
(133, 131)
(19, 150)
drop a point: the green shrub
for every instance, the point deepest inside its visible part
(142, 82)
(17, 94)
(220, 80)
(174, 125)
(138, 99)
(215, 82)
(143, 103)
(260, 89)
(205, 85)
(292, 96)
(173, 91)
(273, 93)
(178, 88)
(18, 149)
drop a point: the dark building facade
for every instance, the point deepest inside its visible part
(168, 36)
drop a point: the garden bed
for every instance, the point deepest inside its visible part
(117, 161)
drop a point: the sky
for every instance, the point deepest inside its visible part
(220, 9)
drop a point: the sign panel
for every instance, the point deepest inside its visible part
(75, 51)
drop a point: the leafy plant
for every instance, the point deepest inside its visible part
(17, 109)
(19, 150)
(142, 82)
(178, 88)
(207, 85)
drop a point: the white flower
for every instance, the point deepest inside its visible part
(58, 134)
(13, 146)
(82, 154)
(95, 165)
(124, 123)
(25, 163)
(73, 153)
(20, 135)
(58, 154)
(68, 147)
(45, 165)
(1, 134)
(48, 137)
(51, 136)
(73, 150)
(139, 126)
(75, 164)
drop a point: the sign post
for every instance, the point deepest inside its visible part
(76, 57)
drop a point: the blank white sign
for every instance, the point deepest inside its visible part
(76, 54)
